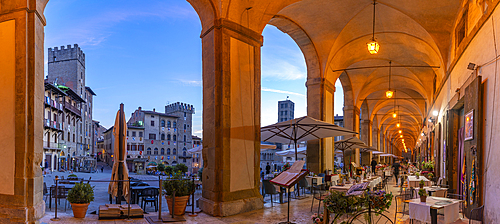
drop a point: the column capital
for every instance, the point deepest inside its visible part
(321, 81)
(237, 31)
(351, 107)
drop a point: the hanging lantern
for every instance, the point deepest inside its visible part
(400, 131)
(394, 115)
(373, 46)
(401, 136)
(389, 93)
(397, 125)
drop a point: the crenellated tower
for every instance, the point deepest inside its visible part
(67, 67)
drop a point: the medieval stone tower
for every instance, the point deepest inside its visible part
(184, 128)
(67, 65)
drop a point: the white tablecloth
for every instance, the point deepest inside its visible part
(319, 180)
(335, 178)
(374, 182)
(421, 211)
(414, 182)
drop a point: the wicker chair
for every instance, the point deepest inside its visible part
(476, 214)
(401, 201)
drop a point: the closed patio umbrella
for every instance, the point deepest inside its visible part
(301, 129)
(120, 170)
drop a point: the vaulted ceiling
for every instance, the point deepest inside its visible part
(416, 36)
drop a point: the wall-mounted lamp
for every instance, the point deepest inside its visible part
(471, 66)
(435, 113)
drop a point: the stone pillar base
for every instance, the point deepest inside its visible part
(229, 208)
(11, 214)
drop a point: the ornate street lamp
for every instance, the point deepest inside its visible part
(373, 45)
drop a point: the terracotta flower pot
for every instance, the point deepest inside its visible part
(180, 204)
(79, 210)
(421, 185)
(423, 198)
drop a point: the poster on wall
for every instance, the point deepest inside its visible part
(469, 126)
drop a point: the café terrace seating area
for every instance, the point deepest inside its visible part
(311, 196)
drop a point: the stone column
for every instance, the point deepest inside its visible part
(231, 119)
(375, 140)
(351, 122)
(366, 134)
(21, 118)
(320, 99)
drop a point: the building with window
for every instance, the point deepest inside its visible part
(71, 110)
(286, 110)
(167, 136)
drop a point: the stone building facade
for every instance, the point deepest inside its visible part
(167, 136)
(66, 70)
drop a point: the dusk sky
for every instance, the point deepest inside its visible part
(148, 54)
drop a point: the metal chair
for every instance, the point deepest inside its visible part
(402, 199)
(45, 191)
(150, 195)
(441, 193)
(62, 192)
(269, 189)
(317, 194)
(476, 214)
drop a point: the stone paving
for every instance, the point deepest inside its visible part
(300, 210)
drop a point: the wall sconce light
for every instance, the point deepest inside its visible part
(471, 66)
(435, 113)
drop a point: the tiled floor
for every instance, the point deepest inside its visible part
(300, 212)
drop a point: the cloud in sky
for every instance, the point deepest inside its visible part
(96, 28)
(190, 82)
(281, 91)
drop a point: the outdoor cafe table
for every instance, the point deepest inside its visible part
(430, 190)
(414, 182)
(427, 211)
(319, 180)
(135, 192)
(65, 186)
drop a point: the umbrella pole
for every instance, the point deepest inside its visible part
(296, 157)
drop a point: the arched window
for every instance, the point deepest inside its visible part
(162, 123)
(156, 151)
(162, 151)
(175, 137)
(174, 162)
(175, 124)
(174, 151)
(168, 124)
(168, 137)
(184, 138)
(162, 136)
(184, 154)
(168, 151)
(148, 151)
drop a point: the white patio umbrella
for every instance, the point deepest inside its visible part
(301, 129)
(195, 149)
(301, 152)
(120, 170)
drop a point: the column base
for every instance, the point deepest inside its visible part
(229, 208)
(13, 214)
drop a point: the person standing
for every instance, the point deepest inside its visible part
(396, 166)
(102, 169)
(374, 165)
(268, 168)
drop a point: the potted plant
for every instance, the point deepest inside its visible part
(80, 197)
(417, 174)
(423, 195)
(182, 188)
(421, 184)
